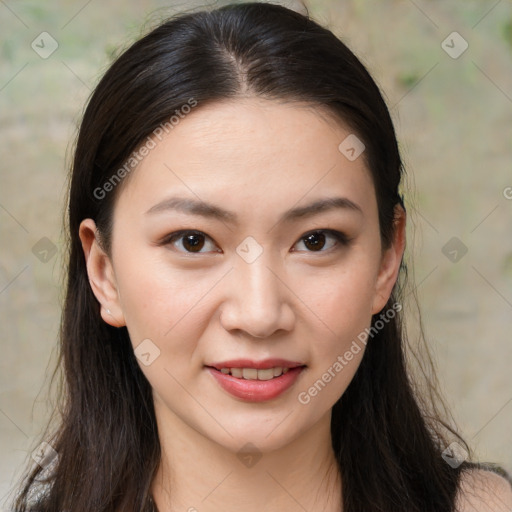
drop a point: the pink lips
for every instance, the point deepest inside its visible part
(256, 390)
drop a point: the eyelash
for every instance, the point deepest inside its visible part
(342, 239)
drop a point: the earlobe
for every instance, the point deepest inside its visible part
(390, 263)
(101, 274)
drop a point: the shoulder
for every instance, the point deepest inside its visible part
(484, 490)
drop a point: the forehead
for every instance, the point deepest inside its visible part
(250, 152)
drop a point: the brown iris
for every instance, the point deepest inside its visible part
(193, 242)
(314, 241)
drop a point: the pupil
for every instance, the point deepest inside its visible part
(316, 240)
(193, 242)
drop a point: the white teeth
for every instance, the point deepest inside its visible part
(266, 374)
(236, 372)
(250, 373)
(254, 373)
(277, 371)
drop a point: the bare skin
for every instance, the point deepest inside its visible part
(484, 491)
(297, 300)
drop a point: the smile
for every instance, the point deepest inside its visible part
(256, 381)
(254, 373)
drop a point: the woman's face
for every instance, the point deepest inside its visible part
(245, 240)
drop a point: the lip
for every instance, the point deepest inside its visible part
(259, 365)
(257, 390)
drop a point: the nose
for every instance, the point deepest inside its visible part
(257, 301)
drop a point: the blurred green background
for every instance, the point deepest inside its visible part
(453, 118)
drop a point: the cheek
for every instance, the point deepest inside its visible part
(342, 299)
(344, 307)
(170, 309)
(162, 303)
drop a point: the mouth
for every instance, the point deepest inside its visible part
(256, 381)
(254, 373)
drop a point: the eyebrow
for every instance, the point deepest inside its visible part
(204, 209)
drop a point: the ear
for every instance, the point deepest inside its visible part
(101, 274)
(390, 262)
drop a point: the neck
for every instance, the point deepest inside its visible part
(198, 474)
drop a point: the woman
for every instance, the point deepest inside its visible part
(231, 337)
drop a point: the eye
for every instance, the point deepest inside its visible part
(315, 241)
(190, 241)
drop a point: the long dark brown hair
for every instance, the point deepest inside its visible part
(387, 436)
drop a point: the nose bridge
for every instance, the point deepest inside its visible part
(260, 283)
(258, 300)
